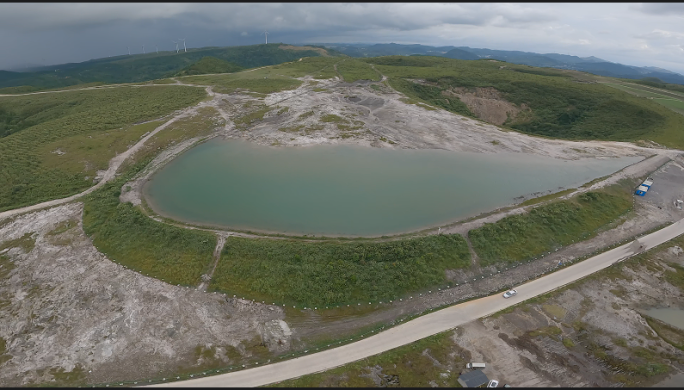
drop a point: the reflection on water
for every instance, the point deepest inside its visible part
(352, 190)
(674, 317)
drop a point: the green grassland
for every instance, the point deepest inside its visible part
(559, 106)
(87, 154)
(669, 99)
(547, 227)
(32, 125)
(151, 66)
(318, 67)
(209, 65)
(129, 237)
(657, 83)
(408, 365)
(354, 70)
(261, 81)
(328, 273)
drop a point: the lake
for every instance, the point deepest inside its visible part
(351, 190)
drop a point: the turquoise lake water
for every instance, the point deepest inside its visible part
(351, 190)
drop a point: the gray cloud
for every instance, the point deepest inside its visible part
(57, 33)
(666, 9)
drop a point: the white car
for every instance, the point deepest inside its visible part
(493, 383)
(509, 293)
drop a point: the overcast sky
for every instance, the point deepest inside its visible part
(647, 34)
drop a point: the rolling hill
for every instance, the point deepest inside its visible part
(145, 67)
(591, 64)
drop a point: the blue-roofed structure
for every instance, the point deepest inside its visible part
(644, 187)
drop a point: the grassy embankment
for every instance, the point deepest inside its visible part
(52, 145)
(354, 70)
(411, 365)
(558, 106)
(548, 227)
(127, 236)
(671, 99)
(635, 365)
(333, 273)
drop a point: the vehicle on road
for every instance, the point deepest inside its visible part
(509, 293)
(475, 365)
(493, 383)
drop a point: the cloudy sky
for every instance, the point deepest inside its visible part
(649, 34)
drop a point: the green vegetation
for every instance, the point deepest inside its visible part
(209, 65)
(559, 107)
(669, 99)
(127, 236)
(318, 67)
(291, 129)
(151, 66)
(676, 277)
(329, 273)
(332, 118)
(544, 198)
(76, 376)
(545, 228)
(28, 173)
(245, 121)
(261, 81)
(6, 266)
(549, 331)
(554, 311)
(657, 83)
(568, 342)
(411, 365)
(26, 242)
(672, 335)
(354, 70)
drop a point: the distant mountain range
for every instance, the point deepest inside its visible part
(144, 67)
(592, 64)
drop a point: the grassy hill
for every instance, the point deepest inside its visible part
(209, 65)
(144, 67)
(552, 102)
(52, 145)
(553, 60)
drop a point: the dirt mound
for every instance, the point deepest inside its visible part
(486, 103)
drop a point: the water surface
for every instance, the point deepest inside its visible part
(674, 317)
(351, 190)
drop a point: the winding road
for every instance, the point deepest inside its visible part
(429, 324)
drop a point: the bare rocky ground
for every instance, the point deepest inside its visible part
(67, 309)
(604, 312)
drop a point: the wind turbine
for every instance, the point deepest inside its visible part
(143, 49)
(157, 47)
(129, 50)
(266, 34)
(184, 48)
(176, 46)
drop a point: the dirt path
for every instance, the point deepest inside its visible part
(206, 278)
(114, 163)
